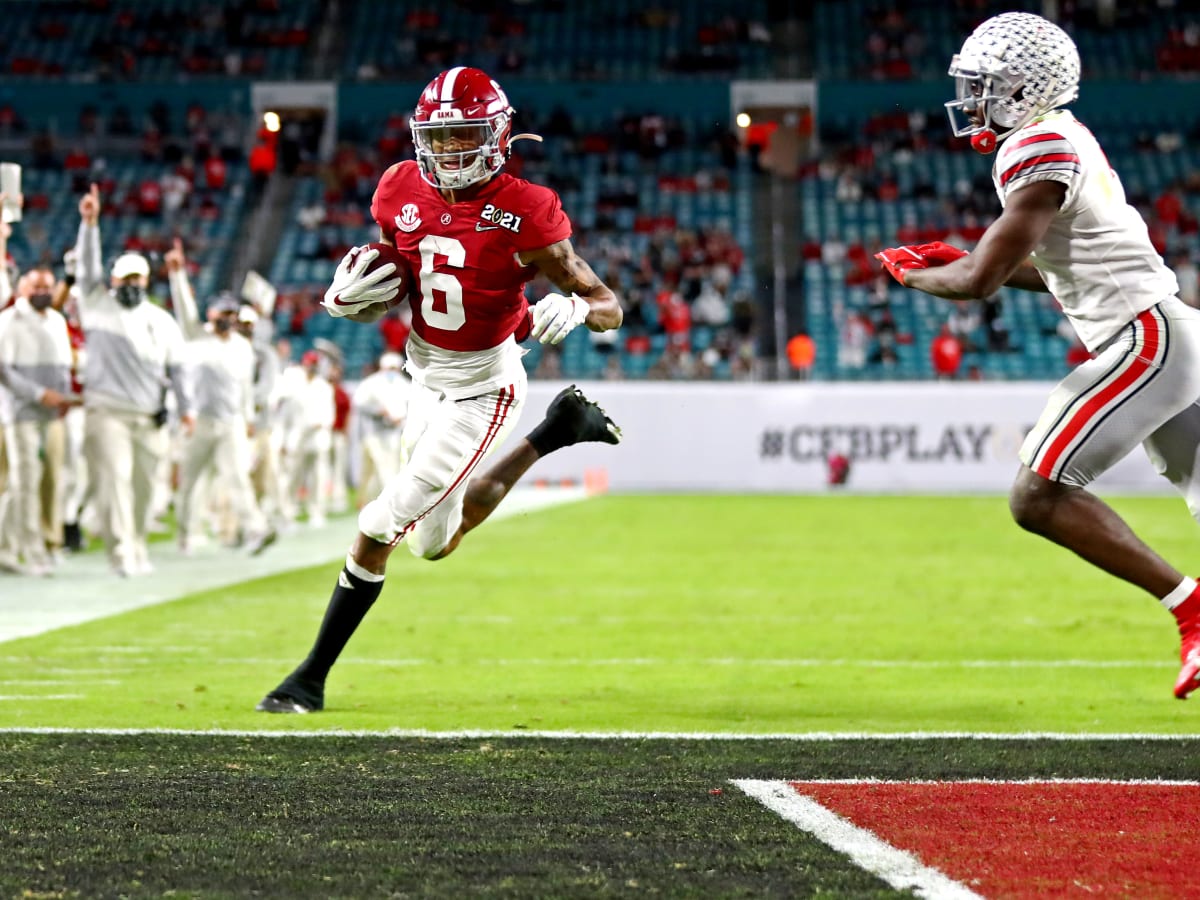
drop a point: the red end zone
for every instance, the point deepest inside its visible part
(1026, 839)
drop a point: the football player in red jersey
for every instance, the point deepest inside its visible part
(472, 236)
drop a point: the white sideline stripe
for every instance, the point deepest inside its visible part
(568, 735)
(897, 867)
(83, 588)
(413, 662)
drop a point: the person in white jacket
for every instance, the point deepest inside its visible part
(265, 474)
(307, 437)
(35, 367)
(220, 372)
(8, 553)
(135, 351)
(380, 406)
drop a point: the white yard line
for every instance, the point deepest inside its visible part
(636, 662)
(84, 588)
(4, 697)
(899, 868)
(568, 735)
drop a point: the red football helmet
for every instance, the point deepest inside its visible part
(461, 128)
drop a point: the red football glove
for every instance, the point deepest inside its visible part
(939, 253)
(898, 260)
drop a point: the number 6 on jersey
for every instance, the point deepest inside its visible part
(452, 316)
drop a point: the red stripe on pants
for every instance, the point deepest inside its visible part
(504, 403)
(1097, 403)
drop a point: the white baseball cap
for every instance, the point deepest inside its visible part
(391, 361)
(130, 264)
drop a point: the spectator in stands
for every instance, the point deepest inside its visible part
(215, 173)
(801, 354)
(964, 324)
(175, 189)
(134, 348)
(998, 340)
(1188, 277)
(711, 306)
(945, 352)
(854, 340)
(262, 164)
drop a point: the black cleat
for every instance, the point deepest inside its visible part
(293, 696)
(572, 418)
(72, 537)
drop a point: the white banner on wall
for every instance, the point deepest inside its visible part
(900, 437)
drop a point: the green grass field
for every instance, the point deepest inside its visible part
(700, 614)
(759, 616)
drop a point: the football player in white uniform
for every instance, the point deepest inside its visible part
(1067, 229)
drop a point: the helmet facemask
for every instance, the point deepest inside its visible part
(438, 142)
(988, 104)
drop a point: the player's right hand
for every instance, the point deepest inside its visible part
(939, 253)
(174, 258)
(89, 205)
(354, 288)
(898, 260)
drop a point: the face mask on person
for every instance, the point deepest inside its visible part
(130, 295)
(40, 301)
(223, 326)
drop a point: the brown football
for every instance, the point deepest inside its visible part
(387, 254)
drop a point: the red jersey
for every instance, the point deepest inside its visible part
(470, 294)
(341, 407)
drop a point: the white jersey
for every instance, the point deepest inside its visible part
(1096, 258)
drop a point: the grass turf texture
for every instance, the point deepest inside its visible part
(157, 815)
(699, 614)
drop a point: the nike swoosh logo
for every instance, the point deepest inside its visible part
(337, 301)
(479, 227)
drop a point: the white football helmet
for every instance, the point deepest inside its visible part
(1012, 68)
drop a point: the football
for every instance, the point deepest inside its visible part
(387, 254)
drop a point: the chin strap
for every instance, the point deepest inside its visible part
(984, 141)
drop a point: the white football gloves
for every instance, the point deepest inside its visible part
(352, 291)
(555, 316)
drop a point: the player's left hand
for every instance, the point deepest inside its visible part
(555, 316)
